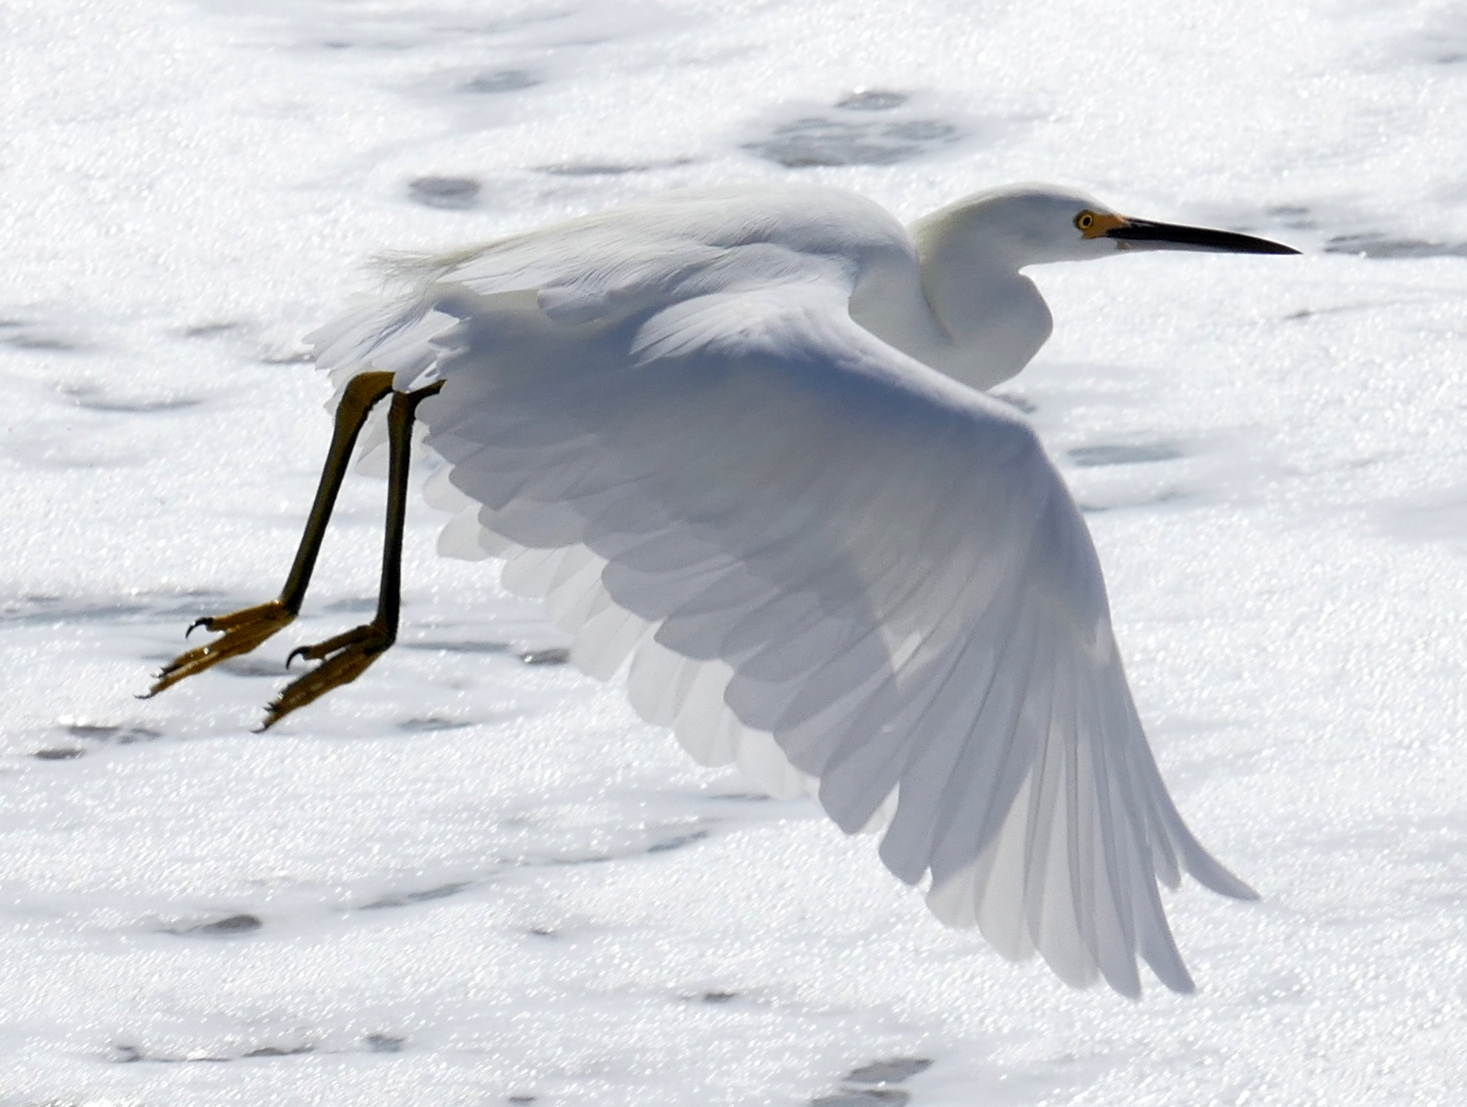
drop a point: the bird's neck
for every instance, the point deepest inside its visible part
(991, 318)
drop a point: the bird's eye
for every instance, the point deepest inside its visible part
(1085, 220)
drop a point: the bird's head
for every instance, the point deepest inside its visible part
(1031, 224)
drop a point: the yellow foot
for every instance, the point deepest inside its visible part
(243, 630)
(343, 659)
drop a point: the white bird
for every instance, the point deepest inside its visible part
(737, 441)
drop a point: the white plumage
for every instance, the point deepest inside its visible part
(712, 435)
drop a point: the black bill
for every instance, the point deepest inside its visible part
(1172, 236)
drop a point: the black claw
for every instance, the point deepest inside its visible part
(193, 626)
(299, 651)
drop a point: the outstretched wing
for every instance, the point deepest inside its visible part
(819, 558)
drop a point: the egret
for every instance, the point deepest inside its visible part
(739, 442)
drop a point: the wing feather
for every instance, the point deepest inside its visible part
(812, 557)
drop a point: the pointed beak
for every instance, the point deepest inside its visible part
(1171, 236)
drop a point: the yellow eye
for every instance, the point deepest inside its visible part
(1096, 224)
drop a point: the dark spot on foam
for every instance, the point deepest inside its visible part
(103, 612)
(890, 1071)
(124, 1054)
(58, 753)
(352, 606)
(1167, 496)
(113, 735)
(864, 1097)
(548, 840)
(501, 80)
(667, 845)
(94, 399)
(1443, 41)
(1090, 457)
(608, 169)
(289, 357)
(590, 169)
(138, 407)
(872, 99)
(452, 193)
(41, 341)
(33, 610)
(550, 853)
(185, 602)
(228, 927)
(552, 655)
(430, 724)
(208, 330)
(405, 899)
(1385, 247)
(819, 140)
(1294, 215)
(742, 797)
(280, 1051)
(718, 997)
(384, 1043)
(250, 666)
(457, 647)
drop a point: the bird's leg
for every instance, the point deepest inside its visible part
(245, 629)
(346, 656)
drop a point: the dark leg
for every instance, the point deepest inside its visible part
(346, 656)
(245, 629)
